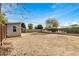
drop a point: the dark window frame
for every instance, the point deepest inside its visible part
(14, 28)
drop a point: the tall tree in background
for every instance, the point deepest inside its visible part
(55, 23)
(39, 27)
(52, 23)
(30, 26)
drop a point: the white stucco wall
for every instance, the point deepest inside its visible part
(10, 32)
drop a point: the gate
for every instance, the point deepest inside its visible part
(3, 32)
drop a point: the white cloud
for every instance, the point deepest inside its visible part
(69, 23)
(74, 22)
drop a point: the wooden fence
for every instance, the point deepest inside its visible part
(3, 32)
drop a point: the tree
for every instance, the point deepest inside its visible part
(30, 26)
(52, 23)
(55, 23)
(23, 28)
(39, 27)
(3, 19)
(23, 25)
(11, 11)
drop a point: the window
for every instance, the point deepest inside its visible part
(14, 28)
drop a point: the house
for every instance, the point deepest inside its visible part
(13, 29)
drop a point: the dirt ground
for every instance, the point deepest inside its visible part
(42, 44)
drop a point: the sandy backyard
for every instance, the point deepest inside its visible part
(44, 44)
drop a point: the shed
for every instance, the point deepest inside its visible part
(14, 29)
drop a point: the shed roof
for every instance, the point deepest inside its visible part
(14, 22)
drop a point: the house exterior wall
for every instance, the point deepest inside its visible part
(10, 32)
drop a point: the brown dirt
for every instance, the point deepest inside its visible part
(44, 45)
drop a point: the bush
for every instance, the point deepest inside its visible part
(72, 30)
(23, 30)
(30, 26)
(53, 29)
(39, 26)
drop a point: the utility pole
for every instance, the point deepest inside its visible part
(0, 7)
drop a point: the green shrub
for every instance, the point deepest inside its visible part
(72, 30)
(53, 29)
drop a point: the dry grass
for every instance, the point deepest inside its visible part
(46, 44)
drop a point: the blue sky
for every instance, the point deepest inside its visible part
(38, 13)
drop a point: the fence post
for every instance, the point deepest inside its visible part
(5, 31)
